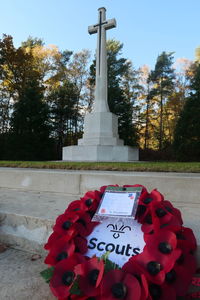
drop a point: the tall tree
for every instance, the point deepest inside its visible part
(57, 68)
(78, 74)
(187, 133)
(144, 108)
(197, 54)
(5, 109)
(61, 73)
(163, 79)
(30, 129)
(176, 100)
(16, 71)
(62, 101)
(47, 60)
(16, 67)
(32, 42)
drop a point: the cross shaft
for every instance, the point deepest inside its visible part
(100, 102)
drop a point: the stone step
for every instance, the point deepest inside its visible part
(26, 217)
(178, 187)
(55, 181)
(20, 277)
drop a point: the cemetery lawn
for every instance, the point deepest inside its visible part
(187, 167)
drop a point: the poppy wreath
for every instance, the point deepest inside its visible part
(163, 270)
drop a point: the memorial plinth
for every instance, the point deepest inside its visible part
(100, 140)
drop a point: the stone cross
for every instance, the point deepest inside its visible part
(101, 90)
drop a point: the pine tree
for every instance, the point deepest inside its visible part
(64, 114)
(163, 79)
(187, 132)
(30, 129)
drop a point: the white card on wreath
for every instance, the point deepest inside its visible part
(123, 238)
(117, 204)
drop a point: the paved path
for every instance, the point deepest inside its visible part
(20, 277)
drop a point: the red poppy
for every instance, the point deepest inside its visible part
(84, 226)
(90, 276)
(147, 198)
(156, 195)
(172, 210)
(155, 202)
(151, 268)
(76, 207)
(80, 244)
(65, 224)
(142, 210)
(162, 246)
(159, 216)
(62, 249)
(52, 240)
(118, 284)
(135, 269)
(71, 297)
(161, 292)
(180, 276)
(150, 222)
(146, 213)
(91, 200)
(64, 276)
(186, 240)
(80, 297)
(167, 214)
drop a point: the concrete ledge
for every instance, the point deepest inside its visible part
(40, 180)
(176, 187)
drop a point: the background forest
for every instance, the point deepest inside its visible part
(45, 93)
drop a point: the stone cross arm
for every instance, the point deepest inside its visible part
(109, 24)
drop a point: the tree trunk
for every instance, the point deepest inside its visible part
(146, 137)
(161, 119)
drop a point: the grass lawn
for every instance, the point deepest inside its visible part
(191, 167)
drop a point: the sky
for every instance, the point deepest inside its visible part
(145, 27)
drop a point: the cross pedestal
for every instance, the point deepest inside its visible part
(100, 140)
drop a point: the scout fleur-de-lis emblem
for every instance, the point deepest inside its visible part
(117, 231)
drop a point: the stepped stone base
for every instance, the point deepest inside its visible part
(100, 141)
(101, 128)
(100, 153)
